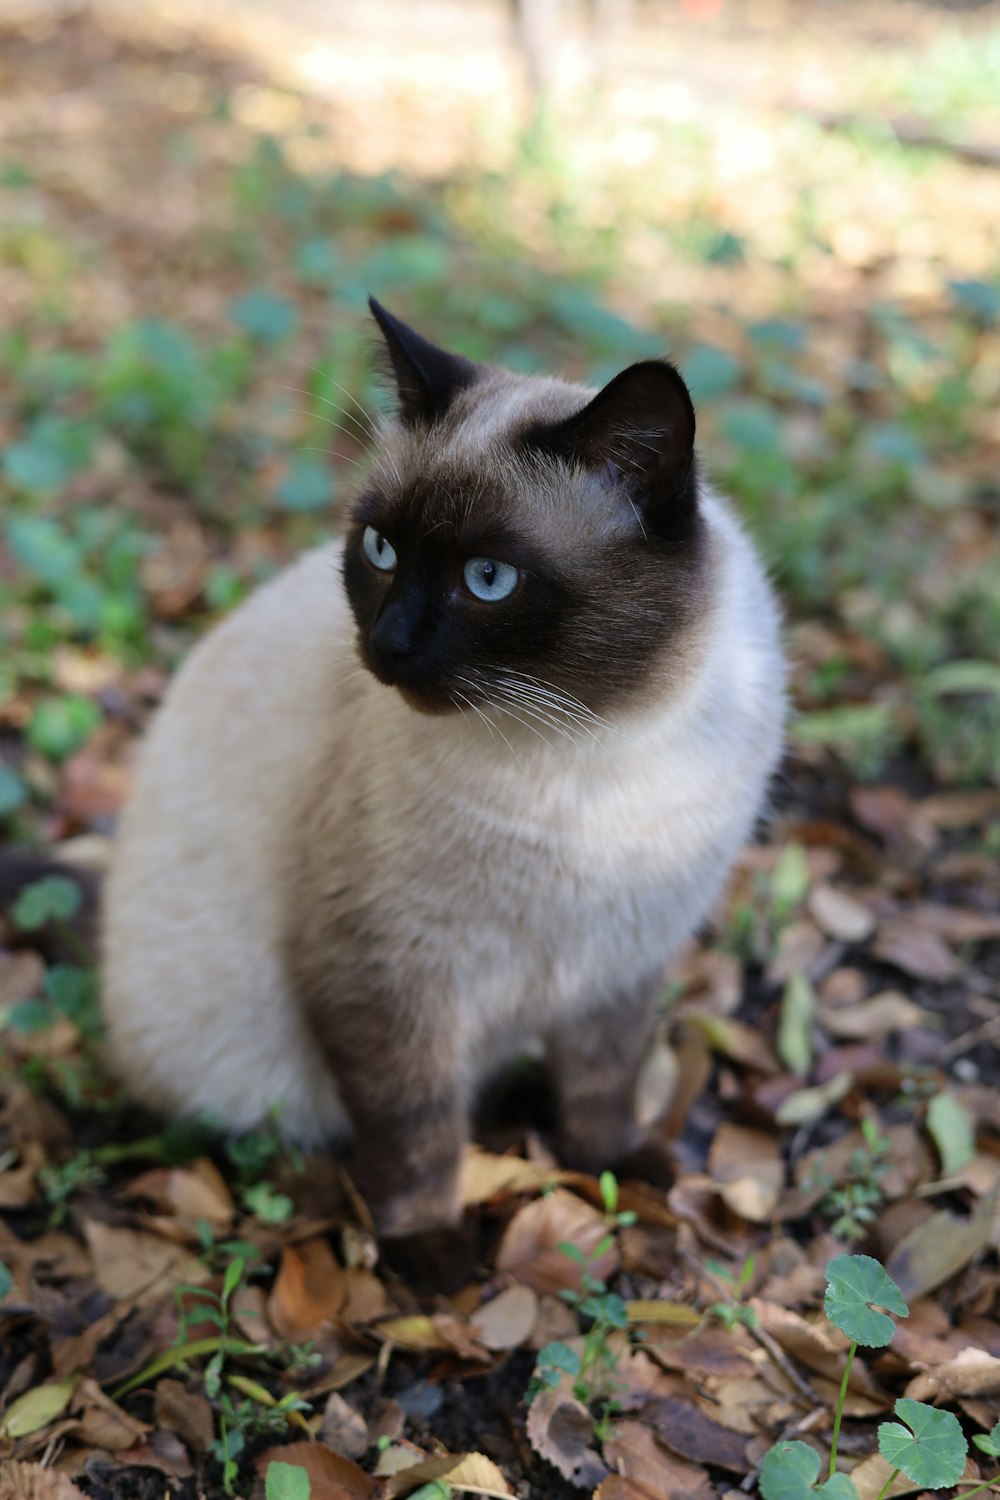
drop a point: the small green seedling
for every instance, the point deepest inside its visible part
(926, 1444)
(732, 1313)
(853, 1204)
(593, 1369)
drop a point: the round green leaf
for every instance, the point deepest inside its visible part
(790, 1472)
(853, 1284)
(59, 726)
(13, 793)
(932, 1453)
(6, 1280)
(38, 903)
(989, 1442)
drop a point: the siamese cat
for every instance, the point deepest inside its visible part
(459, 783)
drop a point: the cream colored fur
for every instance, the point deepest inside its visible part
(521, 876)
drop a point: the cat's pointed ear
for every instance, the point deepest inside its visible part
(638, 432)
(427, 378)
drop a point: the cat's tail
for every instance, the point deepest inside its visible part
(60, 940)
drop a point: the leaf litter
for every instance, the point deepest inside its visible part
(827, 1070)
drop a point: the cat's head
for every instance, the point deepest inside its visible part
(519, 537)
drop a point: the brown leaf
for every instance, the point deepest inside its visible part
(739, 1041)
(193, 1192)
(690, 1433)
(972, 1372)
(442, 1332)
(308, 1291)
(102, 1423)
(131, 1263)
(907, 945)
(164, 1451)
(35, 1482)
(713, 1351)
(936, 1249)
(840, 916)
(485, 1176)
(508, 1319)
(561, 1429)
(799, 950)
(748, 1171)
(638, 1457)
(884, 1013)
(463, 1471)
(820, 1347)
(530, 1250)
(366, 1298)
(331, 1476)
(186, 1413)
(343, 1429)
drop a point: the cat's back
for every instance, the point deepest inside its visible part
(193, 906)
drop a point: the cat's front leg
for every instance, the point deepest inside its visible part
(594, 1058)
(399, 1066)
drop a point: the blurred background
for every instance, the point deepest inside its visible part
(800, 202)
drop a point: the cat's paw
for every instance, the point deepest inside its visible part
(433, 1260)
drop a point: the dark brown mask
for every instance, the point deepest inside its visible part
(520, 537)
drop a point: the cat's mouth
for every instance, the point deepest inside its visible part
(434, 701)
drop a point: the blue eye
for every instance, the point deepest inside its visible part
(378, 551)
(489, 579)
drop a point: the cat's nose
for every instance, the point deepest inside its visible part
(391, 637)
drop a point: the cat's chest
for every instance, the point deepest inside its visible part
(533, 896)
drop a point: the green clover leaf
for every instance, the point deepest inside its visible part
(853, 1283)
(790, 1471)
(989, 1442)
(38, 903)
(932, 1453)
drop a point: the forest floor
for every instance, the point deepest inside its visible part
(188, 231)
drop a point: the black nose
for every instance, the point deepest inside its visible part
(392, 636)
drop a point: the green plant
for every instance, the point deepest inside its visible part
(59, 1182)
(593, 1369)
(244, 1407)
(852, 1204)
(734, 1312)
(926, 1444)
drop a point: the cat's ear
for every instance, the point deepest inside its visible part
(427, 378)
(638, 433)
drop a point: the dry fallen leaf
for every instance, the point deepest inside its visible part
(907, 945)
(939, 1247)
(561, 1430)
(748, 1171)
(841, 917)
(343, 1429)
(132, 1263)
(102, 1424)
(972, 1372)
(37, 1407)
(637, 1455)
(309, 1290)
(331, 1476)
(194, 1192)
(507, 1320)
(485, 1176)
(687, 1430)
(530, 1250)
(462, 1471)
(884, 1013)
(35, 1482)
(186, 1413)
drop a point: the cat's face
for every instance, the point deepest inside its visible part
(522, 542)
